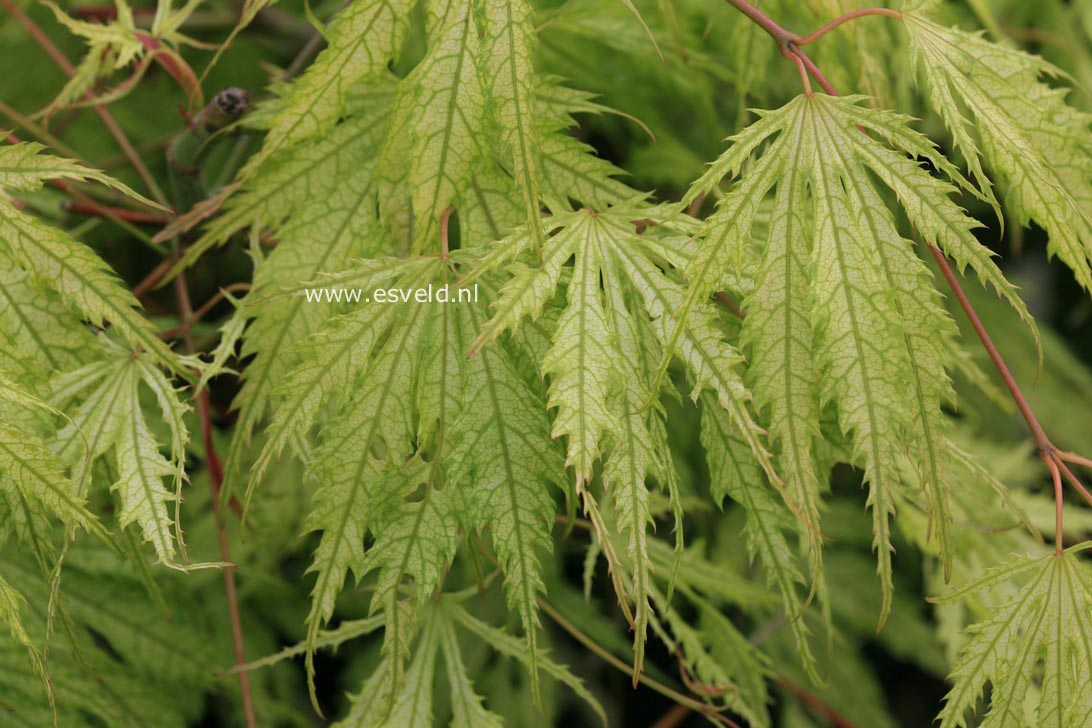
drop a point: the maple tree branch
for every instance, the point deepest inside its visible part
(768, 24)
(864, 12)
(216, 480)
(1073, 479)
(204, 309)
(104, 114)
(675, 715)
(94, 209)
(148, 283)
(817, 705)
(797, 57)
(1037, 431)
(1076, 459)
(1056, 476)
(799, 53)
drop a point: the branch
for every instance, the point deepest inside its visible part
(204, 309)
(216, 480)
(94, 209)
(779, 34)
(815, 703)
(845, 19)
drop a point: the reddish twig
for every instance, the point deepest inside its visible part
(216, 481)
(94, 209)
(844, 19)
(204, 309)
(1072, 479)
(1075, 459)
(216, 477)
(1051, 456)
(799, 53)
(797, 57)
(1041, 438)
(673, 717)
(817, 705)
(768, 24)
(696, 686)
(176, 66)
(1056, 476)
(148, 284)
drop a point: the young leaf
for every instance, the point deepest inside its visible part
(997, 108)
(872, 312)
(1049, 623)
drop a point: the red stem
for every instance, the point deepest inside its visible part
(1072, 458)
(200, 314)
(673, 717)
(799, 54)
(1073, 479)
(216, 477)
(96, 210)
(1056, 476)
(790, 52)
(845, 19)
(789, 44)
(1041, 438)
(216, 481)
(782, 36)
(815, 703)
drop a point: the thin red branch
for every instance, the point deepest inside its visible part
(1041, 438)
(799, 54)
(696, 686)
(148, 284)
(790, 52)
(216, 481)
(764, 21)
(673, 717)
(1056, 476)
(94, 209)
(1073, 458)
(176, 66)
(1073, 479)
(845, 19)
(204, 309)
(216, 477)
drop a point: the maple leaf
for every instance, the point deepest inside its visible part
(843, 310)
(997, 108)
(1048, 622)
(614, 270)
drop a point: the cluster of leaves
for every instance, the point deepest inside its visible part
(473, 464)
